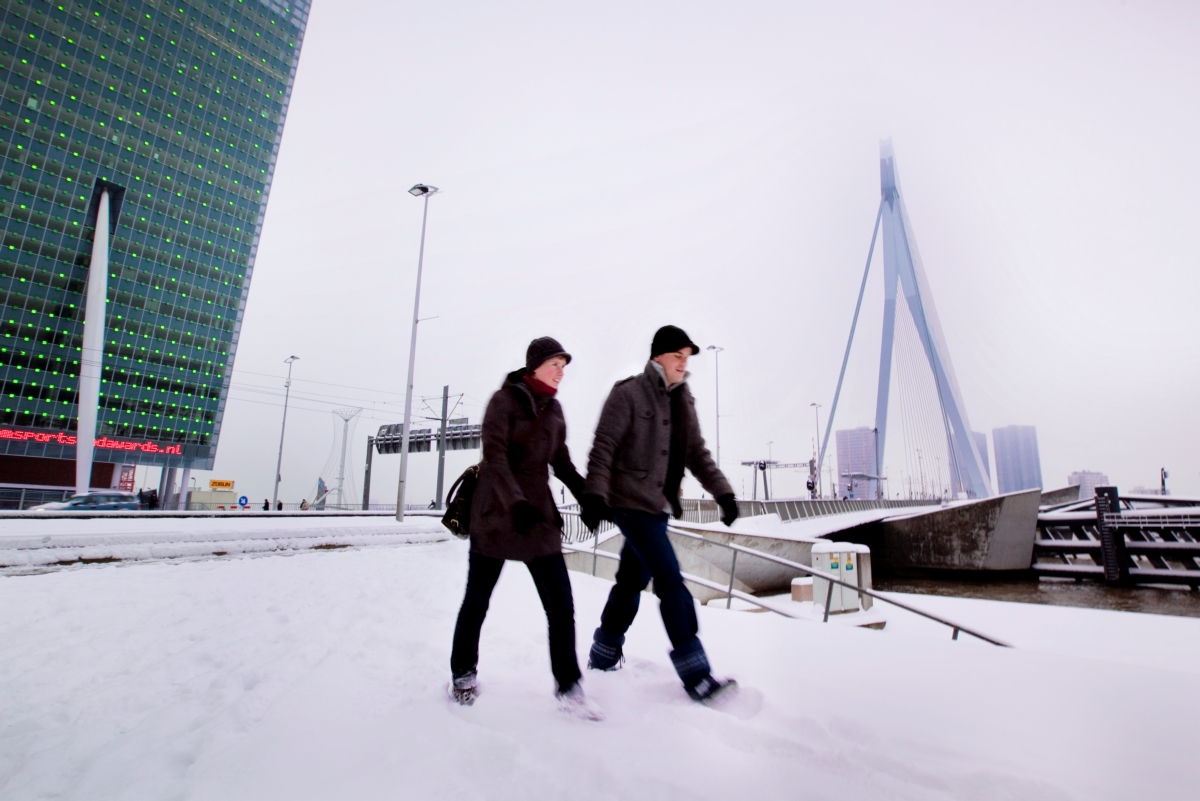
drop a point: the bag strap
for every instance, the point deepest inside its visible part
(454, 487)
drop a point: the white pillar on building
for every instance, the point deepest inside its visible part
(92, 357)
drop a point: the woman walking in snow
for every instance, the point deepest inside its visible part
(514, 517)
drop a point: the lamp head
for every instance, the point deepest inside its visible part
(421, 190)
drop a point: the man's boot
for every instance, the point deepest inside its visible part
(606, 651)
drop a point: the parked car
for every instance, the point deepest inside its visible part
(102, 500)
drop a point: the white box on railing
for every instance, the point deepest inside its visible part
(848, 561)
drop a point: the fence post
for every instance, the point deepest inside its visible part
(732, 572)
(1112, 541)
(595, 547)
(828, 601)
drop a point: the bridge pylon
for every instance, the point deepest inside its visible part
(904, 273)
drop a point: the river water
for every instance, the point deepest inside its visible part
(1181, 601)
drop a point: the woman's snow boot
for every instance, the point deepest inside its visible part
(464, 689)
(574, 703)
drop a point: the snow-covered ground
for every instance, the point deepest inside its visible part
(29, 544)
(321, 676)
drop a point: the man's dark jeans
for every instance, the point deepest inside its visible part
(553, 587)
(647, 555)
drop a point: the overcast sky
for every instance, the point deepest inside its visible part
(610, 168)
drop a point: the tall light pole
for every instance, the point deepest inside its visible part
(717, 357)
(423, 191)
(817, 415)
(287, 391)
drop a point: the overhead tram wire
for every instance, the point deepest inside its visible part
(468, 400)
(336, 400)
(324, 411)
(293, 406)
(272, 392)
(235, 385)
(325, 383)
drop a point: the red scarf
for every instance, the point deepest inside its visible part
(540, 387)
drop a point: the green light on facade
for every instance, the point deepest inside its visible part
(225, 226)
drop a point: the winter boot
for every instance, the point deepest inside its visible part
(606, 651)
(464, 689)
(710, 690)
(573, 702)
(691, 663)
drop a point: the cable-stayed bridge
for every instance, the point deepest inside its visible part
(933, 416)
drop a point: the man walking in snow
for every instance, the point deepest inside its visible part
(647, 434)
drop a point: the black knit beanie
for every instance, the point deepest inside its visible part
(669, 339)
(542, 350)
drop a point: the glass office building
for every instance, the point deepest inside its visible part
(181, 104)
(1018, 464)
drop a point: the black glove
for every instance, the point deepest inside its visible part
(729, 510)
(525, 516)
(593, 509)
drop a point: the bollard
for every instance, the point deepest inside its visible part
(1112, 541)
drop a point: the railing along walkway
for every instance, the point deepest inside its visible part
(731, 593)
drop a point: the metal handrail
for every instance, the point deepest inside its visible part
(732, 593)
(744, 596)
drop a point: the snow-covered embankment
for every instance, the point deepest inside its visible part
(31, 544)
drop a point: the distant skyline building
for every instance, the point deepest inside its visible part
(981, 444)
(1018, 465)
(1087, 481)
(177, 111)
(856, 460)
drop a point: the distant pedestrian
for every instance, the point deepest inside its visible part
(304, 504)
(514, 517)
(266, 505)
(278, 506)
(647, 434)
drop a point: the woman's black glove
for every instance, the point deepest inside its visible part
(593, 509)
(729, 510)
(525, 516)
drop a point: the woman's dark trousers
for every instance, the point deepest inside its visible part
(647, 554)
(553, 587)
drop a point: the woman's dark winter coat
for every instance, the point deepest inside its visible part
(524, 435)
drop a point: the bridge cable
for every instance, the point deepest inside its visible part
(850, 341)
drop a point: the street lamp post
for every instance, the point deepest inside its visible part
(817, 415)
(287, 391)
(717, 369)
(422, 191)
